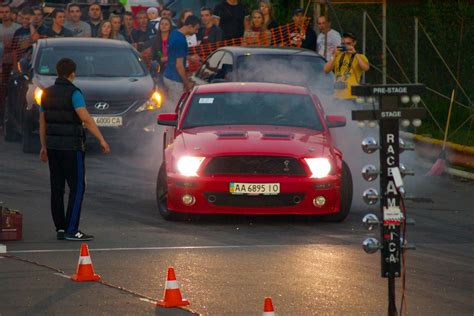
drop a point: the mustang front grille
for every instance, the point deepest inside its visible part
(254, 165)
(280, 200)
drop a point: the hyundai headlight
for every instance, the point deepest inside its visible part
(320, 167)
(38, 94)
(188, 165)
(151, 104)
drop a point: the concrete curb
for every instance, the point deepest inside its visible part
(466, 150)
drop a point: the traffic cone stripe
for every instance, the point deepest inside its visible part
(172, 285)
(85, 260)
(268, 314)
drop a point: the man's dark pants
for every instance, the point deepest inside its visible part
(66, 166)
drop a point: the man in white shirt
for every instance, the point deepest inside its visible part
(333, 39)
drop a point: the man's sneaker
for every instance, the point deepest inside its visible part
(78, 236)
(60, 234)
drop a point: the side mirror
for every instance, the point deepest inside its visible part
(335, 121)
(168, 119)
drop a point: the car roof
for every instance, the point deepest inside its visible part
(250, 87)
(268, 50)
(78, 41)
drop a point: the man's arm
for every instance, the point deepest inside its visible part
(182, 73)
(92, 127)
(363, 62)
(42, 130)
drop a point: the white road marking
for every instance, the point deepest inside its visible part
(160, 248)
(62, 275)
(147, 300)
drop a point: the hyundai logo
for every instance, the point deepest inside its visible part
(101, 105)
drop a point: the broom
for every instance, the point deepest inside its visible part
(440, 164)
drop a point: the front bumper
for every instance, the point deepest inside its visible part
(212, 195)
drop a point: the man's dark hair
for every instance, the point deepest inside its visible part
(349, 35)
(65, 67)
(95, 3)
(37, 9)
(4, 5)
(27, 11)
(128, 13)
(56, 12)
(72, 5)
(207, 9)
(192, 20)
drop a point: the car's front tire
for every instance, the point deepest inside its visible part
(10, 134)
(162, 196)
(346, 196)
(30, 142)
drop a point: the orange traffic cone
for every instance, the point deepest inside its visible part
(172, 293)
(85, 270)
(268, 309)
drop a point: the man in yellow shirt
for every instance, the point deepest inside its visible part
(348, 66)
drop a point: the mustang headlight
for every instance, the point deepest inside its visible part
(152, 104)
(320, 167)
(188, 166)
(38, 94)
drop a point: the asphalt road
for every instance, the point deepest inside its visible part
(226, 265)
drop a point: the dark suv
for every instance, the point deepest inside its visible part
(294, 66)
(119, 92)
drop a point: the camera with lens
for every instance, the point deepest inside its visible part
(342, 48)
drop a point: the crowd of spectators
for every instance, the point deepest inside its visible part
(151, 31)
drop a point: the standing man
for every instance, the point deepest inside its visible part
(209, 32)
(57, 29)
(142, 34)
(175, 77)
(38, 20)
(62, 115)
(232, 15)
(95, 18)
(24, 36)
(303, 36)
(7, 30)
(127, 26)
(77, 27)
(333, 38)
(348, 66)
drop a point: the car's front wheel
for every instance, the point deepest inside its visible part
(346, 196)
(10, 134)
(162, 196)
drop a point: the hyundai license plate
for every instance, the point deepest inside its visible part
(254, 188)
(108, 120)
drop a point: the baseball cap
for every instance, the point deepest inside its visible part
(350, 35)
(152, 10)
(298, 11)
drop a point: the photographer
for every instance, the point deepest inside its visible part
(348, 66)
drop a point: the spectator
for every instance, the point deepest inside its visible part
(348, 66)
(191, 39)
(232, 15)
(175, 77)
(95, 18)
(141, 35)
(159, 46)
(167, 13)
(258, 34)
(333, 38)
(153, 20)
(267, 9)
(303, 35)
(15, 16)
(7, 30)
(116, 21)
(127, 26)
(57, 29)
(38, 21)
(22, 39)
(105, 30)
(209, 32)
(77, 27)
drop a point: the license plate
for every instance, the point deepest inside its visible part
(108, 120)
(254, 188)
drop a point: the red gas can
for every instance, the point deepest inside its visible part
(11, 223)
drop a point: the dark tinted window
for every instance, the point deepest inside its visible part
(252, 108)
(91, 61)
(289, 69)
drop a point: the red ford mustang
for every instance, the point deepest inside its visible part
(252, 148)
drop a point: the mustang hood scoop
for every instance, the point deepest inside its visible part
(227, 135)
(277, 136)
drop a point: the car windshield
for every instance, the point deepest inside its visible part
(91, 61)
(289, 69)
(252, 108)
